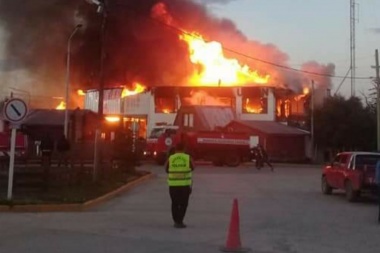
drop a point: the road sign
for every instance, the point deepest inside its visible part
(15, 110)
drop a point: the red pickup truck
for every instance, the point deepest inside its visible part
(353, 172)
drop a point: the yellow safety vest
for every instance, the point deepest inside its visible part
(179, 173)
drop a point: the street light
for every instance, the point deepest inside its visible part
(101, 4)
(77, 27)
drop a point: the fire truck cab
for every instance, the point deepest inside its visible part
(159, 142)
(20, 148)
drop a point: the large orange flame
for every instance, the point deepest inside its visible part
(138, 88)
(217, 70)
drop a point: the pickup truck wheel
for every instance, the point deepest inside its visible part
(326, 188)
(351, 194)
(232, 160)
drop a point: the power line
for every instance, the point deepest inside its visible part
(342, 81)
(261, 60)
(251, 57)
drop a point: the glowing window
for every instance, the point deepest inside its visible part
(165, 100)
(255, 100)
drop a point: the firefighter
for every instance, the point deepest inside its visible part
(255, 155)
(262, 158)
(179, 167)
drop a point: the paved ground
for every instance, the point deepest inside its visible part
(282, 211)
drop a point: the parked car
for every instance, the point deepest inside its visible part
(353, 172)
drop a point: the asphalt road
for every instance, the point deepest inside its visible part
(282, 211)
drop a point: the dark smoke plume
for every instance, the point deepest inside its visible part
(37, 33)
(138, 47)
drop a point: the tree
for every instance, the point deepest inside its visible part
(342, 124)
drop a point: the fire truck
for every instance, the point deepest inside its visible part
(203, 130)
(220, 147)
(158, 141)
(20, 148)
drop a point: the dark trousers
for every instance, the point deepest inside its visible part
(63, 158)
(180, 200)
(261, 161)
(46, 157)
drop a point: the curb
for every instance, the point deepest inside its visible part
(75, 207)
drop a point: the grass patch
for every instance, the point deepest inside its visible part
(69, 193)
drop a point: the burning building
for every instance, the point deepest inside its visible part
(160, 104)
(176, 49)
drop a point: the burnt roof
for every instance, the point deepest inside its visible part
(209, 117)
(49, 117)
(272, 127)
(211, 91)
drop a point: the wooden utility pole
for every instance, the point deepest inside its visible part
(377, 84)
(312, 120)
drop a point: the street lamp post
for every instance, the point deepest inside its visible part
(102, 8)
(67, 83)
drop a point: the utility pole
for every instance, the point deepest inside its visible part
(377, 84)
(353, 45)
(67, 81)
(312, 120)
(102, 8)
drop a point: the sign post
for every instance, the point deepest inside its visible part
(11, 163)
(15, 111)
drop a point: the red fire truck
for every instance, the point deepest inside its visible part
(203, 131)
(158, 149)
(219, 147)
(21, 145)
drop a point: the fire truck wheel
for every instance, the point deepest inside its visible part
(217, 162)
(232, 160)
(161, 159)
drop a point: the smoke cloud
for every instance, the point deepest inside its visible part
(36, 33)
(138, 47)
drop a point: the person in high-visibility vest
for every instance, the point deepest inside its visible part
(179, 167)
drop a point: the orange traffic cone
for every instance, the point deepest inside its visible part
(233, 243)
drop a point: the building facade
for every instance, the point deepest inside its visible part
(159, 105)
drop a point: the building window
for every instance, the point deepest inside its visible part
(207, 96)
(255, 100)
(188, 120)
(165, 100)
(137, 124)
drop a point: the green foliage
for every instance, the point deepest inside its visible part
(342, 124)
